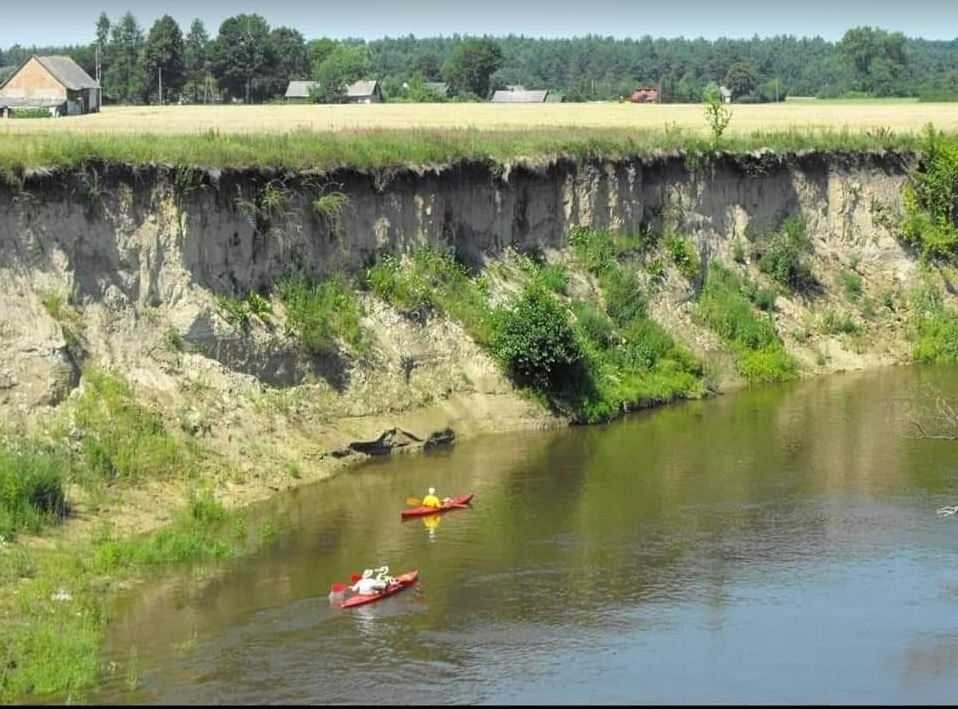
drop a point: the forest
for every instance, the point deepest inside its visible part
(247, 60)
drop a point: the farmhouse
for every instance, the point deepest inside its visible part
(520, 96)
(54, 83)
(726, 94)
(358, 92)
(646, 94)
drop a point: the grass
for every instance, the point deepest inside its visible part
(851, 284)
(727, 310)
(782, 256)
(383, 148)
(53, 623)
(324, 313)
(32, 479)
(431, 280)
(120, 439)
(936, 327)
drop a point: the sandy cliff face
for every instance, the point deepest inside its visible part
(110, 264)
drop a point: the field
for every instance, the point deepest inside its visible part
(899, 116)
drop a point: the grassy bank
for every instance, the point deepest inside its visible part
(371, 149)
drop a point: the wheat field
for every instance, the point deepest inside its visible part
(898, 116)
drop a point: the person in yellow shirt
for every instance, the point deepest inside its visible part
(431, 500)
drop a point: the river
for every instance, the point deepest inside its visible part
(770, 546)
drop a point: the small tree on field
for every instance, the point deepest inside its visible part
(716, 113)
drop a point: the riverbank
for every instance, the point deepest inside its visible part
(181, 343)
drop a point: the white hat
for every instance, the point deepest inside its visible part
(432, 491)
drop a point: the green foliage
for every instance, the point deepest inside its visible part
(471, 66)
(429, 280)
(877, 59)
(930, 223)
(30, 113)
(240, 57)
(193, 536)
(725, 307)
(594, 325)
(164, 51)
(851, 284)
(321, 314)
(683, 256)
(834, 323)
(238, 311)
(31, 487)
(936, 327)
(120, 438)
(534, 340)
(344, 65)
(717, 114)
(741, 79)
(551, 276)
(782, 256)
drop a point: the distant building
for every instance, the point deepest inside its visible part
(646, 94)
(554, 97)
(440, 88)
(366, 91)
(515, 87)
(55, 83)
(299, 91)
(520, 96)
(726, 94)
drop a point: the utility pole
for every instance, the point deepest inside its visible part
(99, 80)
(160, 72)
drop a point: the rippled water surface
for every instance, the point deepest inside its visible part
(778, 545)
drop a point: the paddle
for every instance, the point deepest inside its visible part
(341, 587)
(414, 502)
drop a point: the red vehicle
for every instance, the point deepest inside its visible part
(454, 503)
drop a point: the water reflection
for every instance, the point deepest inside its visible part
(772, 546)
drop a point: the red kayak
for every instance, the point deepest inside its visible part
(401, 582)
(454, 503)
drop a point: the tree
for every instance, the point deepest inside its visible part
(318, 50)
(429, 65)
(876, 58)
(291, 59)
(242, 56)
(124, 80)
(164, 52)
(717, 113)
(740, 79)
(345, 65)
(196, 60)
(472, 65)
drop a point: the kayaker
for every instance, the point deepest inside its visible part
(431, 500)
(370, 583)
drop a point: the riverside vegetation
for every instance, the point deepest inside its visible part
(575, 329)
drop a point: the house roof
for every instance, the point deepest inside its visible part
(519, 96)
(300, 89)
(362, 88)
(725, 91)
(439, 87)
(63, 69)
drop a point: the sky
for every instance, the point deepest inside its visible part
(55, 22)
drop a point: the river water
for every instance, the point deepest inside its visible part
(775, 545)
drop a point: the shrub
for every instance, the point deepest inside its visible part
(931, 200)
(594, 325)
(839, 324)
(624, 300)
(534, 340)
(31, 488)
(683, 256)
(760, 355)
(851, 284)
(782, 256)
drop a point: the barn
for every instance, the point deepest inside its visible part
(55, 83)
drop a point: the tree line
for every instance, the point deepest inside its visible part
(250, 61)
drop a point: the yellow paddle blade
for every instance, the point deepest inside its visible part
(414, 502)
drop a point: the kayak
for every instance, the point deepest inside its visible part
(453, 504)
(401, 582)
